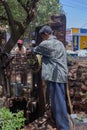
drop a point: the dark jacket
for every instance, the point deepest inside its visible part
(54, 61)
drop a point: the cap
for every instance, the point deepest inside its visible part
(20, 41)
(46, 29)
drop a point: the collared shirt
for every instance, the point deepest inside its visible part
(22, 51)
(54, 61)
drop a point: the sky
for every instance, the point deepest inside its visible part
(76, 13)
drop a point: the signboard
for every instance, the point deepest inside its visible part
(75, 42)
(83, 42)
(75, 30)
(83, 31)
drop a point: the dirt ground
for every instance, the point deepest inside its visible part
(43, 123)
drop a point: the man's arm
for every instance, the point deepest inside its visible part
(43, 50)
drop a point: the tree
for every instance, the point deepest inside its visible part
(45, 9)
(17, 21)
(20, 13)
(17, 14)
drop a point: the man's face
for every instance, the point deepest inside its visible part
(19, 46)
(45, 36)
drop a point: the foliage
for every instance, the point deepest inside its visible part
(17, 15)
(11, 121)
(16, 9)
(21, 14)
(45, 9)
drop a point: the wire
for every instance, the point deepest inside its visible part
(84, 25)
(67, 5)
(78, 6)
(77, 1)
(75, 5)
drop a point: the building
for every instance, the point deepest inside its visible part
(78, 38)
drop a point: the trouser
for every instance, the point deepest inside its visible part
(58, 105)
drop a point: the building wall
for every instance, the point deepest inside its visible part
(83, 42)
(78, 37)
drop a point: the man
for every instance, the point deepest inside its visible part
(20, 49)
(54, 70)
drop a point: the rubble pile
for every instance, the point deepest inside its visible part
(43, 123)
(77, 80)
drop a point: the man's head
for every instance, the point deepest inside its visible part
(20, 43)
(45, 31)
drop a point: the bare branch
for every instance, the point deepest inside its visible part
(18, 28)
(10, 17)
(30, 8)
(3, 18)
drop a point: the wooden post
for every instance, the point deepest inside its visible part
(68, 97)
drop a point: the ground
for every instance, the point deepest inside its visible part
(43, 123)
